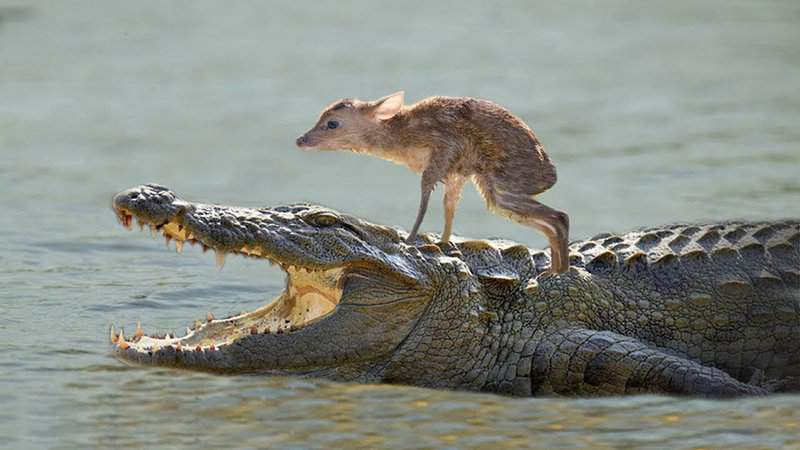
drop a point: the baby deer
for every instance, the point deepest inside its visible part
(451, 140)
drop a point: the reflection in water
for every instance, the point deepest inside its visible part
(154, 407)
(674, 112)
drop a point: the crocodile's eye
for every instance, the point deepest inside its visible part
(332, 124)
(324, 219)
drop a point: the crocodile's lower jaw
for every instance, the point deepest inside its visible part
(309, 296)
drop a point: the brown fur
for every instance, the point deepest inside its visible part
(452, 140)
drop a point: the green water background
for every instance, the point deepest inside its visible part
(654, 112)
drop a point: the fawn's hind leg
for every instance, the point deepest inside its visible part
(553, 223)
(452, 194)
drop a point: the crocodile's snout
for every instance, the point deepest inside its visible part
(152, 203)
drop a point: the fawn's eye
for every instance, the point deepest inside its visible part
(332, 124)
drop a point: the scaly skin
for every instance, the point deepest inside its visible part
(707, 310)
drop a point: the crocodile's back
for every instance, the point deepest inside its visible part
(726, 294)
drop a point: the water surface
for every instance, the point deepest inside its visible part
(653, 113)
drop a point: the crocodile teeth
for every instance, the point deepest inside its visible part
(209, 317)
(188, 331)
(125, 219)
(196, 324)
(178, 246)
(178, 346)
(139, 332)
(113, 335)
(121, 341)
(220, 256)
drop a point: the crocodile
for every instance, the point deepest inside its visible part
(709, 310)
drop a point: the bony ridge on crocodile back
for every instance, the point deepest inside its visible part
(707, 310)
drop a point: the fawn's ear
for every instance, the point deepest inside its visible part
(386, 107)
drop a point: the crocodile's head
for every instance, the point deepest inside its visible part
(354, 290)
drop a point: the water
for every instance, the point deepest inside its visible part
(653, 113)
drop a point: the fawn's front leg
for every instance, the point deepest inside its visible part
(429, 180)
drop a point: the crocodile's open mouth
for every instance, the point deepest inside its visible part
(310, 295)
